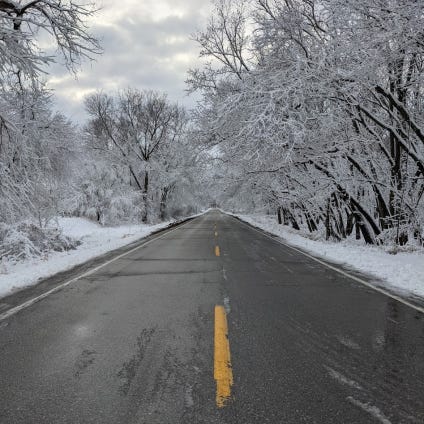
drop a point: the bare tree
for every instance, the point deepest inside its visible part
(225, 44)
(140, 129)
(64, 21)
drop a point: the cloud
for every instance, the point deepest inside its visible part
(146, 45)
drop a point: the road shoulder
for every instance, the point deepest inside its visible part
(56, 281)
(369, 279)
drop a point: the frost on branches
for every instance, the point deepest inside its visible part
(134, 160)
(314, 110)
(143, 142)
(37, 145)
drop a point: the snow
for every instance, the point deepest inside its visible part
(402, 272)
(342, 379)
(371, 409)
(96, 240)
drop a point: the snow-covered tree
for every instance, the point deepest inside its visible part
(326, 126)
(21, 22)
(33, 140)
(143, 135)
(37, 145)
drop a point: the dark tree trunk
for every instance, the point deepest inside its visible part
(285, 216)
(350, 224)
(146, 181)
(328, 221)
(279, 217)
(145, 196)
(357, 228)
(292, 219)
(366, 233)
(362, 228)
(311, 223)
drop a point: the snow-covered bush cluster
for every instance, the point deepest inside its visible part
(27, 240)
(314, 109)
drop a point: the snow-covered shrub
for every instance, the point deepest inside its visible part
(127, 207)
(400, 239)
(27, 240)
(104, 196)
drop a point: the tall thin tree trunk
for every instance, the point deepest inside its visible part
(145, 196)
(163, 200)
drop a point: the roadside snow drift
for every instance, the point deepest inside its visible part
(95, 241)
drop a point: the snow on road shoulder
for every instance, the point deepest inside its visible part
(96, 240)
(403, 272)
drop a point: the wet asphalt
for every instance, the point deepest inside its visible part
(133, 342)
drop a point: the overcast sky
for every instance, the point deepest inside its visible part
(146, 45)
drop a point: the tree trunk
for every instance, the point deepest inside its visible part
(328, 221)
(292, 219)
(279, 217)
(350, 224)
(163, 200)
(311, 223)
(145, 196)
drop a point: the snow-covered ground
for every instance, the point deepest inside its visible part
(402, 272)
(95, 239)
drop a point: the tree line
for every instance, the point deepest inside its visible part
(131, 161)
(314, 108)
(311, 109)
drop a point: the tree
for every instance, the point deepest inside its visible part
(30, 134)
(21, 21)
(35, 156)
(140, 130)
(311, 130)
(225, 44)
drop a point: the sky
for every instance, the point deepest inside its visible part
(146, 44)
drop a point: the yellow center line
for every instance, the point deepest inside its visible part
(223, 373)
(216, 233)
(217, 251)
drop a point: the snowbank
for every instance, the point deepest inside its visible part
(96, 240)
(403, 272)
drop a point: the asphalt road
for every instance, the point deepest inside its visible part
(134, 341)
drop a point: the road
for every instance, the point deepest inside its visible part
(144, 339)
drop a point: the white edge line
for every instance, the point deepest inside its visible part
(352, 277)
(30, 302)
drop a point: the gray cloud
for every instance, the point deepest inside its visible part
(146, 45)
